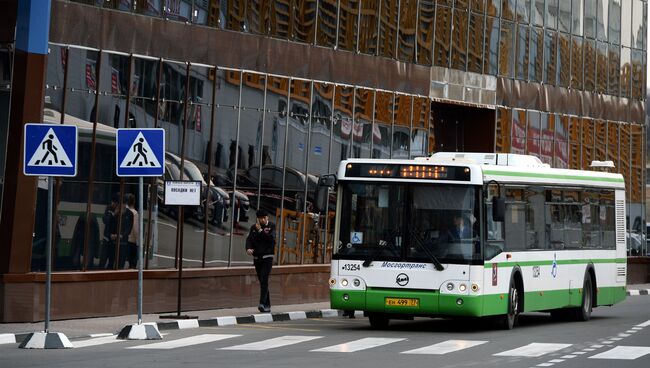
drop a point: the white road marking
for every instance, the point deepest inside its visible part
(273, 343)
(545, 364)
(97, 341)
(637, 328)
(644, 324)
(616, 338)
(631, 331)
(588, 349)
(568, 356)
(534, 350)
(608, 342)
(579, 352)
(556, 360)
(623, 352)
(188, 341)
(361, 344)
(597, 346)
(445, 347)
(623, 335)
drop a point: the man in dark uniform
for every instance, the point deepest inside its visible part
(260, 244)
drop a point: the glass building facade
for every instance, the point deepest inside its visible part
(561, 80)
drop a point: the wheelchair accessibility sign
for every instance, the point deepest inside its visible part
(50, 150)
(140, 152)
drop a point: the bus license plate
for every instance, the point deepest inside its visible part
(402, 302)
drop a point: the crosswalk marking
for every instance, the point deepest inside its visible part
(273, 343)
(535, 349)
(188, 341)
(361, 344)
(623, 352)
(96, 341)
(445, 347)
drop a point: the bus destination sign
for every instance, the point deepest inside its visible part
(407, 171)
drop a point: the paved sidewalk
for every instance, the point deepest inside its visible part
(77, 328)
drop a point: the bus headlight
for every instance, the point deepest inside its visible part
(450, 286)
(462, 288)
(344, 282)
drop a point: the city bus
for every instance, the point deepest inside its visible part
(533, 238)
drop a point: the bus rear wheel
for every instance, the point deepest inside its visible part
(583, 313)
(378, 321)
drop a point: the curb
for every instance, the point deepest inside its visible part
(638, 292)
(181, 324)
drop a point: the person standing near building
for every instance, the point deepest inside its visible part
(260, 244)
(132, 247)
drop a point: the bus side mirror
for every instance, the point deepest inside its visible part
(498, 209)
(325, 183)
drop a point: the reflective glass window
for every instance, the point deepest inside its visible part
(615, 22)
(442, 45)
(144, 91)
(124, 5)
(561, 145)
(477, 6)
(626, 72)
(475, 43)
(552, 13)
(519, 123)
(590, 65)
(602, 17)
(327, 18)
(637, 140)
(257, 16)
(550, 49)
(626, 23)
(180, 10)
(564, 59)
(575, 139)
(388, 23)
(639, 24)
(535, 69)
(601, 66)
(590, 11)
(343, 110)
(523, 11)
(638, 73)
(588, 152)
(493, 8)
(564, 16)
(348, 24)
(533, 133)
(613, 142)
(304, 20)
(507, 49)
(537, 12)
(280, 18)
(577, 16)
(521, 65)
(408, 18)
(402, 127)
(508, 9)
(149, 7)
(491, 57)
(362, 125)
(503, 130)
(459, 39)
(426, 20)
(546, 136)
(369, 27)
(383, 124)
(600, 135)
(614, 59)
(576, 62)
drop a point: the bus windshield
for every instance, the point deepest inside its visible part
(409, 222)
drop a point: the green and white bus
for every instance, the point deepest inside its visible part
(533, 238)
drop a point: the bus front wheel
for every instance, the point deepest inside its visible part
(509, 320)
(378, 321)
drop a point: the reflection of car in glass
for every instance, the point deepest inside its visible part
(218, 201)
(241, 198)
(271, 194)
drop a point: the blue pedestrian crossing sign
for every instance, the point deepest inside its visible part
(140, 152)
(50, 150)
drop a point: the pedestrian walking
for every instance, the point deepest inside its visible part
(260, 244)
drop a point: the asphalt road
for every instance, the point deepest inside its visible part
(615, 337)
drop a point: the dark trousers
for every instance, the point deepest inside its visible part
(263, 269)
(107, 257)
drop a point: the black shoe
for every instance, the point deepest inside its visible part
(261, 308)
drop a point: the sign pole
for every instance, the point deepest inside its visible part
(48, 253)
(140, 258)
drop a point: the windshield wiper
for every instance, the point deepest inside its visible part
(420, 244)
(380, 248)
